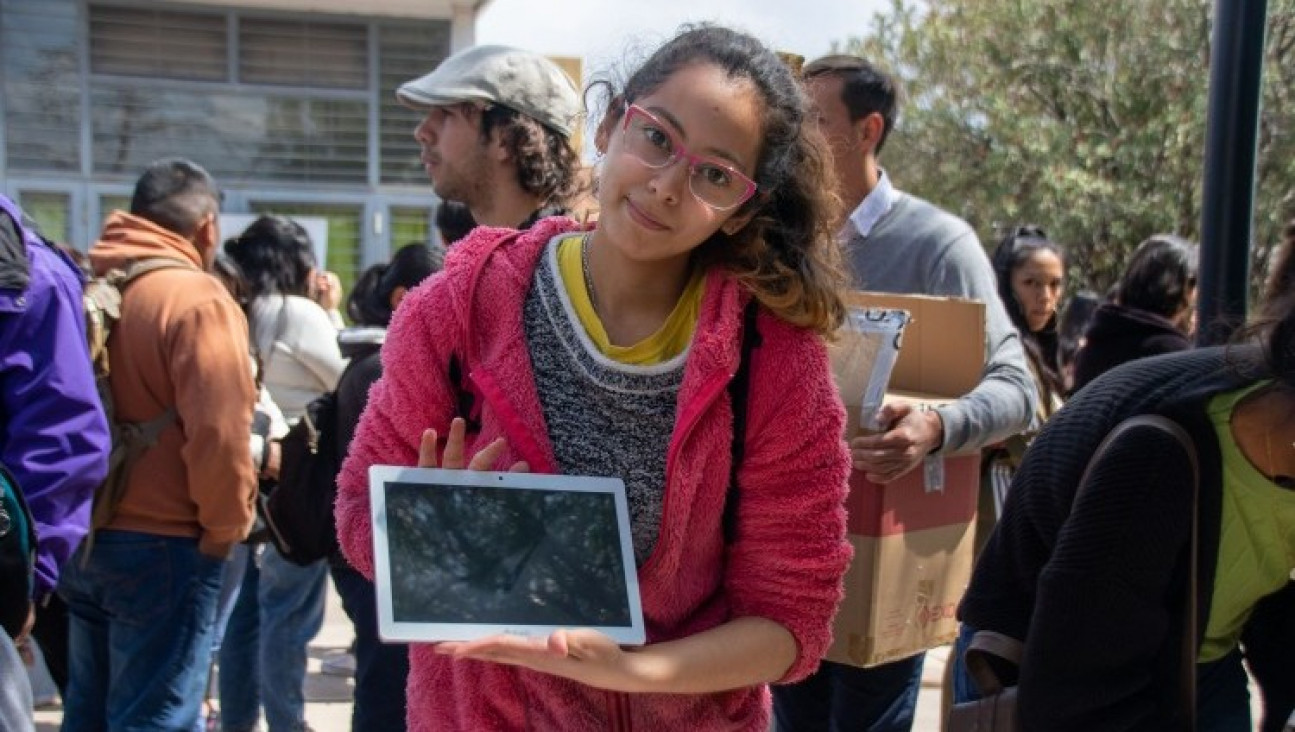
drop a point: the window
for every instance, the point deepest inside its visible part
(408, 51)
(303, 53)
(237, 136)
(410, 225)
(163, 44)
(41, 85)
(50, 211)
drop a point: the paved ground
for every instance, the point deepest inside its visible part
(329, 697)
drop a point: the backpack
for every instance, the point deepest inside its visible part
(130, 440)
(17, 555)
(299, 509)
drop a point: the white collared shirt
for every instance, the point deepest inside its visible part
(873, 206)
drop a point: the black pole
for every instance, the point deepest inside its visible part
(1231, 140)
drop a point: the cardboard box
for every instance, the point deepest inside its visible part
(913, 538)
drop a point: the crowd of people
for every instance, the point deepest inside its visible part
(736, 198)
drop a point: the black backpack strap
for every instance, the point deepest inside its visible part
(738, 389)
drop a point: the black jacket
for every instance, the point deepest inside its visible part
(1119, 334)
(1095, 583)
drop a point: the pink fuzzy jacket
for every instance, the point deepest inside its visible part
(790, 553)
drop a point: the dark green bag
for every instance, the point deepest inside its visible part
(17, 555)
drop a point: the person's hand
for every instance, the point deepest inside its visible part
(327, 290)
(273, 459)
(583, 655)
(22, 643)
(454, 457)
(912, 434)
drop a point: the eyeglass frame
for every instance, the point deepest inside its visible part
(679, 152)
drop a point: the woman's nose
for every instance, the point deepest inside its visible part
(671, 180)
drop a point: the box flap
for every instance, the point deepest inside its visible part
(943, 350)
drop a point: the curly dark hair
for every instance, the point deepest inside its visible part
(788, 255)
(275, 255)
(547, 166)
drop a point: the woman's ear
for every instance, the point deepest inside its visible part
(397, 295)
(602, 136)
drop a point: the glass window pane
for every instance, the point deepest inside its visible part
(344, 241)
(51, 212)
(410, 225)
(303, 53)
(237, 136)
(40, 84)
(157, 43)
(406, 51)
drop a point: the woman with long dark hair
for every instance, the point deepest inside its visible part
(1031, 272)
(1091, 564)
(380, 668)
(281, 605)
(1152, 311)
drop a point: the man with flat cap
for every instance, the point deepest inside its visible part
(496, 135)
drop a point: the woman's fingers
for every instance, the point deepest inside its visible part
(489, 455)
(427, 449)
(453, 458)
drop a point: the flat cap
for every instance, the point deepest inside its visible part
(520, 80)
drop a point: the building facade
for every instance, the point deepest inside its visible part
(289, 103)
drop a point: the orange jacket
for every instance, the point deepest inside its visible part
(182, 342)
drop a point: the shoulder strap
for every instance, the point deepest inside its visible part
(738, 389)
(141, 267)
(1188, 653)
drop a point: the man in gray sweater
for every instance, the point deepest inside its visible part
(899, 243)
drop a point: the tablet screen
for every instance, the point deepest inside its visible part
(470, 553)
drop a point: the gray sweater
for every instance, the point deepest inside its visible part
(918, 248)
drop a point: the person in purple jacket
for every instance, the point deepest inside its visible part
(53, 433)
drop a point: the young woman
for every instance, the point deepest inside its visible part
(1152, 312)
(1031, 274)
(608, 352)
(380, 668)
(281, 605)
(1089, 565)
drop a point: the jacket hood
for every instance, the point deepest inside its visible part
(127, 237)
(1118, 321)
(361, 340)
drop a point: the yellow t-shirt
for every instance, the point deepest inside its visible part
(669, 341)
(1256, 538)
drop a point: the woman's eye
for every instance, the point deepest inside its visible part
(656, 138)
(716, 176)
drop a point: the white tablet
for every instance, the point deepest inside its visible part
(460, 555)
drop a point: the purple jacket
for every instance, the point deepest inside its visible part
(53, 433)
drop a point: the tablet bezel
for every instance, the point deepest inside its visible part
(404, 631)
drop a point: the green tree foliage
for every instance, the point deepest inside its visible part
(1086, 118)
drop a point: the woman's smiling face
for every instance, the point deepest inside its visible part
(652, 214)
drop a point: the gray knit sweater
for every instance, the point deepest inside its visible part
(918, 248)
(603, 417)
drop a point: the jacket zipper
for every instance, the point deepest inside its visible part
(689, 419)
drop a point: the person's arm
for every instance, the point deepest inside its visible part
(1005, 400)
(54, 436)
(215, 397)
(314, 343)
(413, 394)
(1001, 405)
(1105, 612)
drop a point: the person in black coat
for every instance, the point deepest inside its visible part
(1092, 577)
(380, 668)
(1151, 313)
